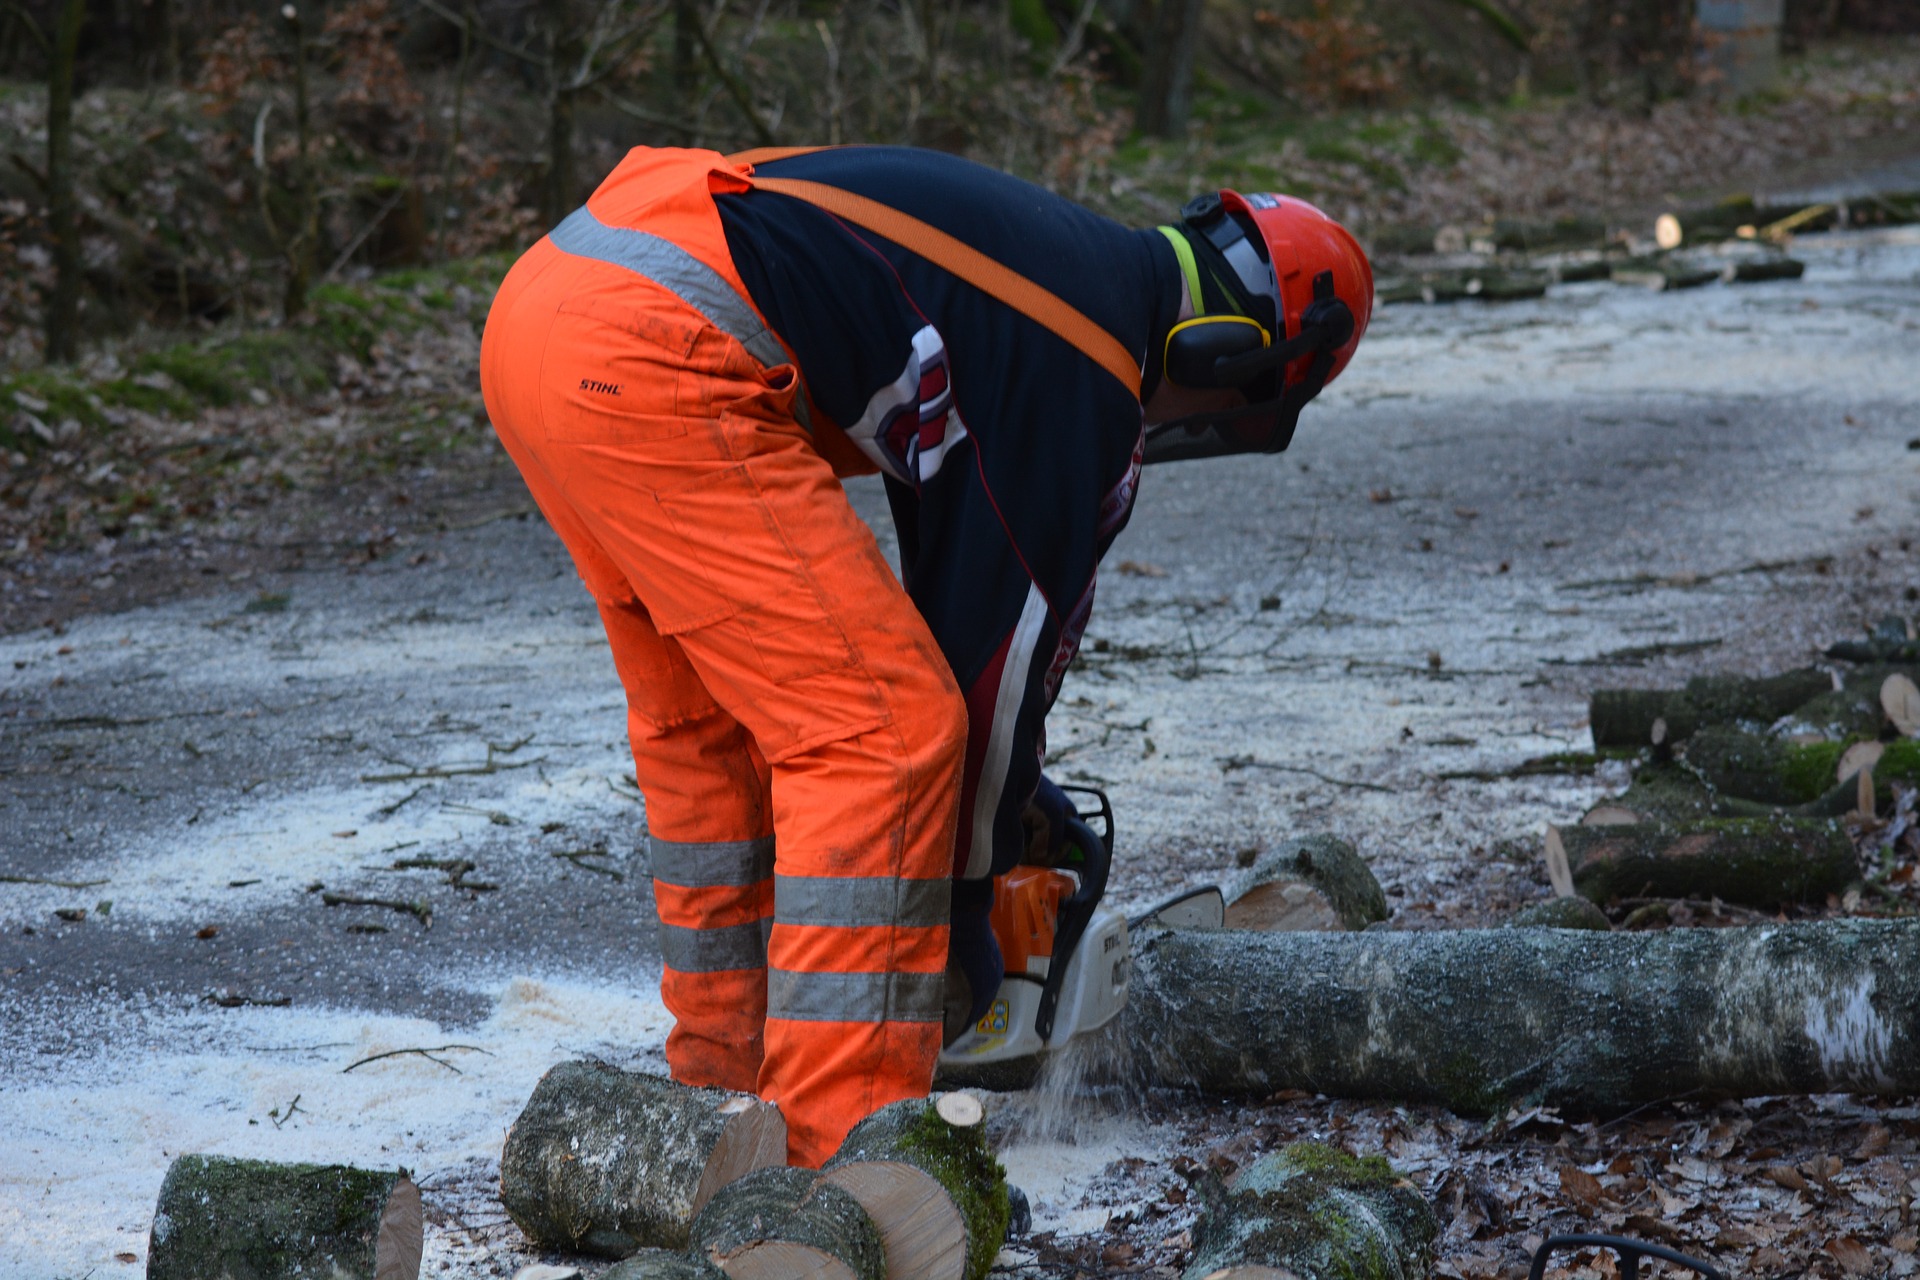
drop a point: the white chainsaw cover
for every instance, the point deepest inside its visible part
(1095, 990)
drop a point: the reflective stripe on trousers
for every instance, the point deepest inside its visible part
(680, 273)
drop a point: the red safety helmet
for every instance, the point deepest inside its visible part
(1312, 280)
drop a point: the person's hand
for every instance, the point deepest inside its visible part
(1045, 820)
(974, 964)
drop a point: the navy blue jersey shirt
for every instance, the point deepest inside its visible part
(1011, 458)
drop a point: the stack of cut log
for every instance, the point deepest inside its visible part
(683, 1182)
(1739, 786)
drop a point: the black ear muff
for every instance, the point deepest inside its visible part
(1197, 348)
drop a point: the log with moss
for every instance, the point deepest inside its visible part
(1480, 1019)
(1760, 862)
(1312, 1212)
(925, 1174)
(1625, 717)
(606, 1162)
(1852, 711)
(1810, 777)
(1315, 883)
(788, 1224)
(219, 1216)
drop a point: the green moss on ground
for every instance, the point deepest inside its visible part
(184, 377)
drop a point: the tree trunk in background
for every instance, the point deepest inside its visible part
(63, 305)
(1637, 52)
(557, 195)
(1166, 84)
(303, 244)
(686, 47)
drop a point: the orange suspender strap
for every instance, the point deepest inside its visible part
(994, 279)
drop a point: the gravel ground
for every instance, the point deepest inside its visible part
(1496, 509)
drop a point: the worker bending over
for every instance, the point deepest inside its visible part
(835, 766)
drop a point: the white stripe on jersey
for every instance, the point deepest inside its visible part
(1006, 710)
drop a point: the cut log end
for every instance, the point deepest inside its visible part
(920, 1226)
(961, 1110)
(755, 1137)
(1559, 871)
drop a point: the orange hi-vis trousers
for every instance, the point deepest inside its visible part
(796, 731)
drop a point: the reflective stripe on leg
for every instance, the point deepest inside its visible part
(715, 950)
(711, 864)
(851, 901)
(855, 997)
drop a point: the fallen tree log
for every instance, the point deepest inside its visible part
(224, 1217)
(788, 1224)
(606, 1162)
(1309, 1210)
(1756, 862)
(1481, 1019)
(1315, 883)
(1625, 717)
(924, 1173)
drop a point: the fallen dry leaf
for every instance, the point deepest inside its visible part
(207, 932)
(1874, 1143)
(1785, 1175)
(1852, 1256)
(1140, 569)
(1380, 495)
(1581, 1185)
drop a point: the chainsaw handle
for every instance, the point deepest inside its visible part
(1076, 913)
(1104, 812)
(1629, 1249)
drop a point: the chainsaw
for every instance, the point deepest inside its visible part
(1067, 956)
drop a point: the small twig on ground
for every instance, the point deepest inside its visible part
(278, 1119)
(388, 810)
(495, 816)
(1574, 764)
(54, 884)
(424, 1053)
(1636, 654)
(1230, 763)
(234, 1000)
(492, 764)
(578, 858)
(416, 908)
(456, 869)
